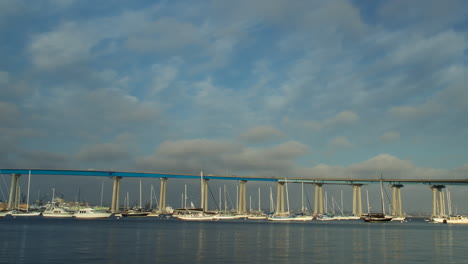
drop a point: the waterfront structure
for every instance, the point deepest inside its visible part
(436, 184)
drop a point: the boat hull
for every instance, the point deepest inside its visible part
(52, 215)
(195, 218)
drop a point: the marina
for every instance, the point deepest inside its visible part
(279, 211)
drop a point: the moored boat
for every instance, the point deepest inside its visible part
(90, 213)
(195, 217)
(5, 213)
(457, 219)
(57, 212)
(377, 217)
(19, 213)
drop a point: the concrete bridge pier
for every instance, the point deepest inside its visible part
(242, 203)
(357, 200)
(14, 199)
(115, 195)
(438, 205)
(397, 208)
(162, 196)
(204, 196)
(280, 198)
(318, 199)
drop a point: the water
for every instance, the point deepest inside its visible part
(149, 240)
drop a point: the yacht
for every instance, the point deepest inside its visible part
(56, 212)
(457, 219)
(20, 213)
(195, 217)
(5, 213)
(90, 213)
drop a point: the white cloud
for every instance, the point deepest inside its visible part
(390, 136)
(164, 35)
(262, 134)
(340, 142)
(340, 119)
(219, 156)
(164, 75)
(68, 44)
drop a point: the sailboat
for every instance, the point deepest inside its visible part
(258, 215)
(286, 216)
(136, 212)
(379, 217)
(223, 215)
(302, 216)
(343, 216)
(26, 212)
(197, 215)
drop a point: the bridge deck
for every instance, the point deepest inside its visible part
(309, 180)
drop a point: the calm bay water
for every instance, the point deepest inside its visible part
(149, 240)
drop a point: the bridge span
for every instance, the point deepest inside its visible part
(437, 185)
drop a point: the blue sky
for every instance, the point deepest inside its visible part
(303, 89)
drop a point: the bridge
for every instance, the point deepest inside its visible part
(436, 185)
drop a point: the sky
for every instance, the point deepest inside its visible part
(277, 88)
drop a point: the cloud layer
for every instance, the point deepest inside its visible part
(335, 88)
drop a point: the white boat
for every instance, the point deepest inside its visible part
(24, 213)
(57, 212)
(27, 212)
(347, 217)
(224, 217)
(326, 217)
(281, 218)
(302, 218)
(438, 219)
(399, 218)
(458, 219)
(257, 217)
(195, 217)
(90, 213)
(5, 213)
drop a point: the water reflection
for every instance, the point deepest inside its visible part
(157, 241)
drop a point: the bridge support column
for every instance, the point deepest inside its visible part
(318, 201)
(397, 209)
(162, 196)
(280, 198)
(242, 197)
(357, 200)
(204, 198)
(115, 205)
(438, 207)
(14, 199)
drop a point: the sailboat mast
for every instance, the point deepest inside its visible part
(140, 195)
(220, 199)
(151, 197)
(342, 208)
(185, 196)
(102, 191)
(259, 205)
(201, 185)
(382, 197)
(225, 201)
(287, 194)
(302, 197)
